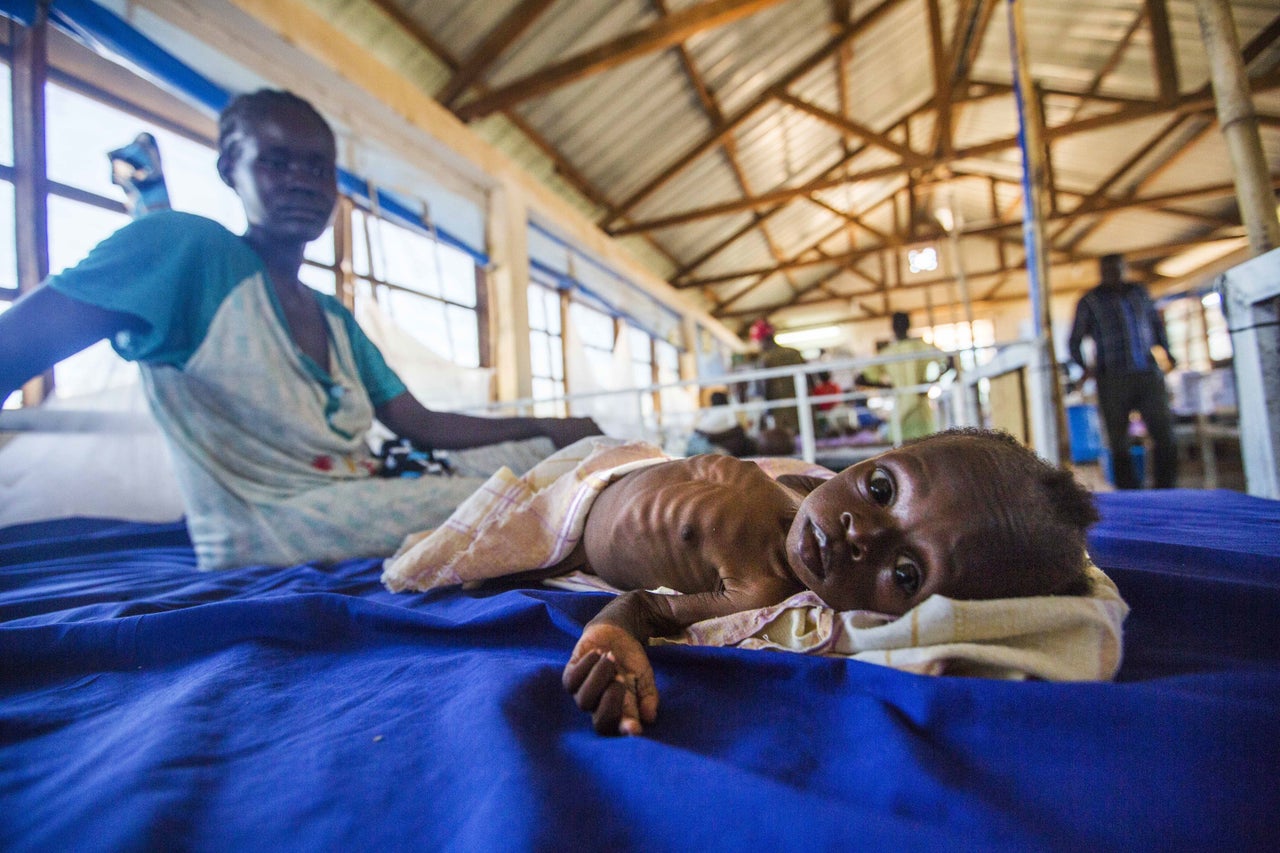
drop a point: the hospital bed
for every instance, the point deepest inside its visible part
(144, 705)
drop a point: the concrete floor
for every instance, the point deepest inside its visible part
(1227, 468)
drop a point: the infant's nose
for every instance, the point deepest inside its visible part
(862, 533)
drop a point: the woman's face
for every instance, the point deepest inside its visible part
(282, 166)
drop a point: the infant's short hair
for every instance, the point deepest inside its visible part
(1042, 545)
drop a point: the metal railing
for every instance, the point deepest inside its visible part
(956, 394)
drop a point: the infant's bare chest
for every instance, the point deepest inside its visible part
(687, 524)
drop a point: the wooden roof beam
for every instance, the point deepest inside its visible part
(1099, 193)
(1117, 53)
(1162, 54)
(1143, 183)
(561, 166)
(942, 83)
(851, 127)
(1152, 202)
(661, 35)
(699, 148)
(491, 48)
(977, 278)
(1195, 102)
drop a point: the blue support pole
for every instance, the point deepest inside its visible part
(1044, 394)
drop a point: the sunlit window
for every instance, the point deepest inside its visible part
(8, 248)
(80, 131)
(667, 358)
(427, 287)
(12, 401)
(6, 118)
(642, 367)
(596, 330)
(922, 260)
(974, 350)
(74, 229)
(1197, 331)
(546, 347)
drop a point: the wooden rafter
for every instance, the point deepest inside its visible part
(1104, 188)
(491, 48)
(1195, 102)
(971, 22)
(853, 128)
(1251, 51)
(761, 279)
(1162, 55)
(1113, 61)
(978, 278)
(748, 227)
(661, 35)
(942, 88)
(953, 57)
(563, 167)
(1110, 206)
(1146, 181)
(829, 48)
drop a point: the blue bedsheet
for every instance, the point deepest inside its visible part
(147, 706)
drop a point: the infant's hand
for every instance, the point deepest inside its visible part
(610, 677)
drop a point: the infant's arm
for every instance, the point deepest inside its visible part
(609, 672)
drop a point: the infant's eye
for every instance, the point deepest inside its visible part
(906, 575)
(880, 485)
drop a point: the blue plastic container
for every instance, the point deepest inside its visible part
(1137, 453)
(1084, 432)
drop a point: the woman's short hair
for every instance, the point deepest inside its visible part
(245, 108)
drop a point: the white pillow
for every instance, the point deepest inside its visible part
(120, 470)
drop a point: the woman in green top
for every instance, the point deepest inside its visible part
(264, 388)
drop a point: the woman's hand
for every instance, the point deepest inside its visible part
(565, 431)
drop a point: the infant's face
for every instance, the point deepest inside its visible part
(892, 530)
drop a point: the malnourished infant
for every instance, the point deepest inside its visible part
(966, 514)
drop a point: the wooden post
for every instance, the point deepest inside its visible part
(30, 182)
(1250, 295)
(1047, 417)
(1239, 125)
(508, 282)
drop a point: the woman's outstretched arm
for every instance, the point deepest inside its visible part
(408, 418)
(44, 327)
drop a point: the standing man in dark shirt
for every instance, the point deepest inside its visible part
(1122, 321)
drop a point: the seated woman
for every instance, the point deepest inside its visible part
(265, 389)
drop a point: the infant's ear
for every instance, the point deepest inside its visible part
(802, 484)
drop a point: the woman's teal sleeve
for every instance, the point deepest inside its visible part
(170, 271)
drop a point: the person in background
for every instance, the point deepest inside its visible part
(717, 430)
(825, 417)
(265, 389)
(1122, 321)
(822, 386)
(773, 354)
(910, 410)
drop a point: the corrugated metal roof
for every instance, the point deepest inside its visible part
(640, 137)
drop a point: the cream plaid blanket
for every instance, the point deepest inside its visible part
(515, 524)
